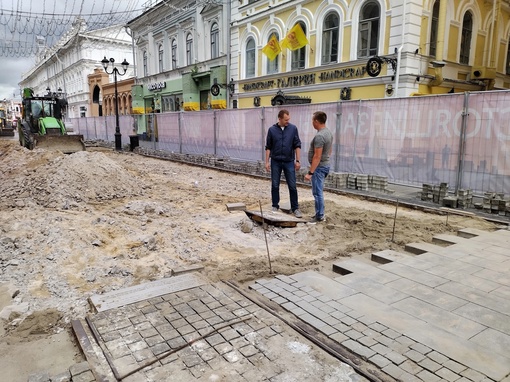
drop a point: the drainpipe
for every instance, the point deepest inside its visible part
(229, 16)
(438, 63)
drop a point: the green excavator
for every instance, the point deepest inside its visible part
(41, 124)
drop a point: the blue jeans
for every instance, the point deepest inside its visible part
(290, 177)
(318, 177)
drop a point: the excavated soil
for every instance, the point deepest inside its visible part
(91, 222)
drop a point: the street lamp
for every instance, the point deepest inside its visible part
(115, 72)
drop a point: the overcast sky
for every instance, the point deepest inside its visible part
(22, 20)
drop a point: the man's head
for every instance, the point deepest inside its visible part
(283, 117)
(319, 119)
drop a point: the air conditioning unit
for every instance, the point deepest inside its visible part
(483, 73)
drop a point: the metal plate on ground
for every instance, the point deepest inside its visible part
(278, 219)
(115, 299)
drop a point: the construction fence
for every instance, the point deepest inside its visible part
(460, 139)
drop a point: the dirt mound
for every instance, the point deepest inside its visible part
(52, 179)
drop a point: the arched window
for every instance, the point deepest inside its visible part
(145, 72)
(250, 58)
(369, 30)
(507, 70)
(433, 29)
(215, 41)
(189, 49)
(272, 65)
(160, 57)
(465, 39)
(174, 54)
(330, 33)
(298, 57)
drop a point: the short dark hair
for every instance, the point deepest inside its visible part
(320, 116)
(283, 112)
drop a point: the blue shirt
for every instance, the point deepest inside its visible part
(282, 143)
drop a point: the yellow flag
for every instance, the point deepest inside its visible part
(272, 49)
(295, 39)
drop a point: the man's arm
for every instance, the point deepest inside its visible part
(316, 159)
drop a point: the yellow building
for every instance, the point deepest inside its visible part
(359, 49)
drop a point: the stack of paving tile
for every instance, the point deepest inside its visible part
(362, 182)
(439, 192)
(427, 192)
(340, 179)
(351, 181)
(465, 199)
(378, 183)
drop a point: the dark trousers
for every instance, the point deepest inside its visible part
(290, 177)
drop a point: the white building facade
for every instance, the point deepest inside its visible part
(64, 67)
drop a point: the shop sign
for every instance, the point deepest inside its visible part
(157, 86)
(307, 79)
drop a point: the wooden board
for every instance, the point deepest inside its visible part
(117, 298)
(278, 219)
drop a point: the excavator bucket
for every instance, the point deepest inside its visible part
(68, 144)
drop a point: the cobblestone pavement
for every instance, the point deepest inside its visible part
(440, 314)
(205, 333)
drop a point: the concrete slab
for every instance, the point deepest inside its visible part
(485, 316)
(445, 239)
(493, 339)
(463, 351)
(323, 284)
(437, 317)
(360, 268)
(468, 233)
(414, 274)
(427, 294)
(388, 256)
(236, 207)
(371, 288)
(421, 247)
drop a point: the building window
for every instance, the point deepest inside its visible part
(433, 29)
(215, 41)
(160, 57)
(330, 35)
(272, 66)
(508, 58)
(369, 30)
(145, 72)
(298, 57)
(171, 102)
(250, 58)
(465, 39)
(174, 54)
(189, 49)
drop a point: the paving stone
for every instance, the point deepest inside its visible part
(437, 357)
(395, 357)
(414, 355)
(427, 376)
(367, 341)
(338, 337)
(393, 370)
(359, 349)
(430, 365)
(472, 375)
(62, 377)
(447, 374)
(353, 334)
(420, 348)
(454, 366)
(411, 367)
(39, 377)
(379, 360)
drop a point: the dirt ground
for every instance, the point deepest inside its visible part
(76, 225)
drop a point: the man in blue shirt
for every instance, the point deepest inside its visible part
(283, 150)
